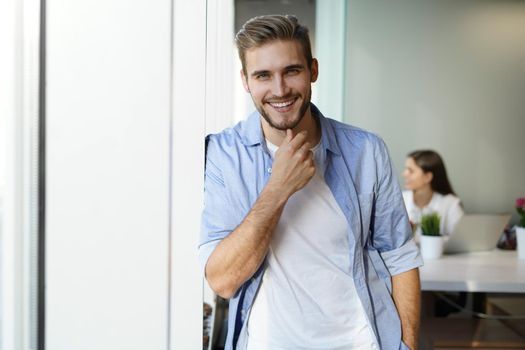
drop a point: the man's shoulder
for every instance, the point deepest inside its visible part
(242, 133)
(231, 146)
(354, 134)
(225, 138)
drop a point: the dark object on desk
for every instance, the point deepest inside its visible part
(507, 240)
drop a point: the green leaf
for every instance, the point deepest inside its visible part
(430, 224)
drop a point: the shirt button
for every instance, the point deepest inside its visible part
(269, 170)
(374, 346)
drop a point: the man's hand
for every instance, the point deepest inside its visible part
(293, 164)
(238, 256)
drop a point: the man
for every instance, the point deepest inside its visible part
(304, 227)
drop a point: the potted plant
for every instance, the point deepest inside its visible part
(520, 227)
(431, 240)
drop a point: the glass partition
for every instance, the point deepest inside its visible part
(21, 175)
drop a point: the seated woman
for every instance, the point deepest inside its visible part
(428, 190)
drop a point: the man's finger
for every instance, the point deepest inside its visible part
(304, 150)
(287, 138)
(299, 139)
(289, 134)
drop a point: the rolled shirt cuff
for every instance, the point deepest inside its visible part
(205, 251)
(402, 259)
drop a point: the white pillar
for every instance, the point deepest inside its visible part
(188, 130)
(19, 107)
(330, 51)
(108, 174)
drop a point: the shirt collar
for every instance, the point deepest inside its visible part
(328, 139)
(251, 132)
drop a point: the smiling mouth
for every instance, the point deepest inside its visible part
(282, 106)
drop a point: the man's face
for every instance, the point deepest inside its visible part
(279, 80)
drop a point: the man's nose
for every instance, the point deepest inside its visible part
(280, 87)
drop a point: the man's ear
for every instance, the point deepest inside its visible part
(244, 81)
(314, 70)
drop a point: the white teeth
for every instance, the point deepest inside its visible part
(282, 104)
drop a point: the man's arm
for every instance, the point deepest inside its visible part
(238, 256)
(406, 292)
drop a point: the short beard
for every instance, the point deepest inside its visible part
(302, 113)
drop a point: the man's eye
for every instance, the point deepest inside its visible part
(262, 76)
(293, 71)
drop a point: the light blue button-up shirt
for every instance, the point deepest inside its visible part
(359, 174)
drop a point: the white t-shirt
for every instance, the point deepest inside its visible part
(448, 208)
(307, 298)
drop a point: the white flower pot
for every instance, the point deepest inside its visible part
(520, 242)
(431, 246)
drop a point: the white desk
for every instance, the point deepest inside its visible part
(496, 271)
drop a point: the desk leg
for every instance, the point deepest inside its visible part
(479, 302)
(428, 300)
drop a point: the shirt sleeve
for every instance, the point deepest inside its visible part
(216, 223)
(392, 235)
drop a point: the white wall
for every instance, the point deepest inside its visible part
(108, 174)
(446, 75)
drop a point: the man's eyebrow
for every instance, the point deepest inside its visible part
(257, 72)
(294, 66)
(287, 68)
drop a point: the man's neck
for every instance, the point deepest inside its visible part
(308, 123)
